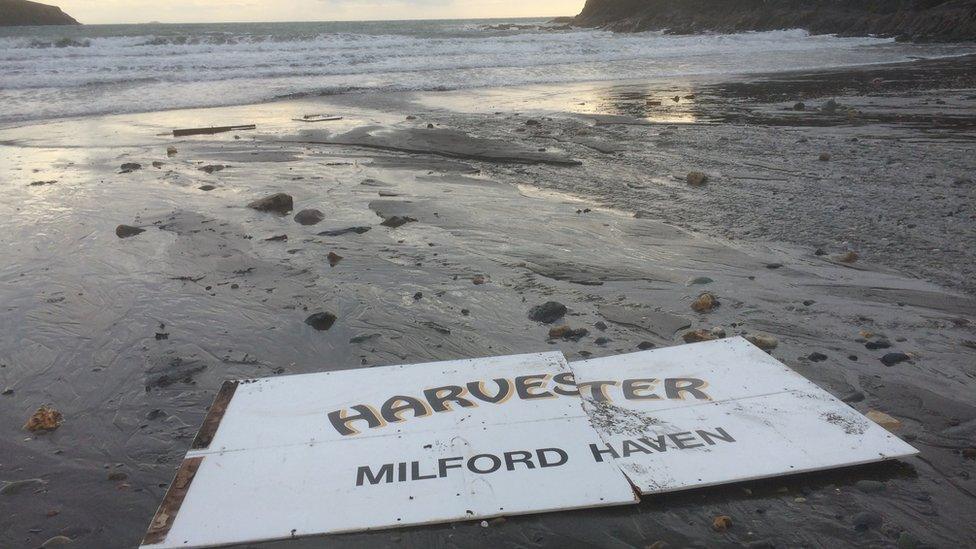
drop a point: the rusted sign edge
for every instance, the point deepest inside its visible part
(168, 509)
(212, 422)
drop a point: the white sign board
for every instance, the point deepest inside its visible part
(387, 447)
(377, 448)
(719, 412)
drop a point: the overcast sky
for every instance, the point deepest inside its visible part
(182, 11)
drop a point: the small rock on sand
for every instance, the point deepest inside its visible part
(130, 167)
(279, 203)
(206, 188)
(884, 420)
(696, 179)
(309, 217)
(125, 231)
(321, 321)
(334, 259)
(824, 157)
(847, 257)
(705, 303)
(171, 151)
(799, 106)
(44, 419)
(397, 221)
(548, 312)
(763, 341)
(567, 333)
(698, 336)
(721, 523)
(211, 169)
(892, 359)
(866, 520)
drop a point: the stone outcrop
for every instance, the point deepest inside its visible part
(921, 20)
(21, 13)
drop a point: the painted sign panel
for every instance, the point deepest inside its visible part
(720, 412)
(386, 447)
(377, 448)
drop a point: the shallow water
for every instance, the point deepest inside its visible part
(99, 69)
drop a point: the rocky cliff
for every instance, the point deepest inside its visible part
(19, 13)
(924, 20)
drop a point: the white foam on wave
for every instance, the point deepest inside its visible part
(111, 74)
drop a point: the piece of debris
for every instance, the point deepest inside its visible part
(824, 157)
(212, 130)
(696, 179)
(130, 167)
(397, 221)
(721, 523)
(321, 321)
(567, 333)
(317, 118)
(349, 230)
(44, 419)
(334, 259)
(799, 106)
(277, 238)
(892, 359)
(309, 217)
(763, 341)
(418, 296)
(548, 312)
(125, 231)
(212, 168)
(697, 336)
(884, 420)
(876, 345)
(279, 203)
(478, 280)
(705, 303)
(171, 151)
(157, 164)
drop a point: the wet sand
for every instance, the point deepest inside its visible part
(585, 204)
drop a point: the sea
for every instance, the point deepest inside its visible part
(57, 72)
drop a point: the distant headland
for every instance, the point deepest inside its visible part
(919, 20)
(22, 13)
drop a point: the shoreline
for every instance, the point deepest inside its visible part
(446, 217)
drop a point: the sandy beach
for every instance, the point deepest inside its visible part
(841, 231)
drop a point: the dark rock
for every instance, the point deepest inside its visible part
(866, 520)
(601, 341)
(465, 312)
(175, 370)
(397, 221)
(157, 164)
(349, 230)
(213, 168)
(808, 302)
(532, 122)
(773, 265)
(645, 345)
(892, 359)
(125, 231)
(7, 392)
(334, 259)
(705, 303)
(567, 333)
(817, 357)
(879, 344)
(698, 336)
(418, 296)
(279, 203)
(309, 217)
(206, 188)
(117, 476)
(321, 321)
(130, 167)
(22, 13)
(824, 157)
(799, 106)
(548, 312)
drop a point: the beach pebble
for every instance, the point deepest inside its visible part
(309, 217)
(212, 168)
(130, 167)
(879, 344)
(125, 231)
(696, 179)
(334, 259)
(799, 106)
(171, 151)
(45, 418)
(698, 336)
(763, 341)
(698, 281)
(397, 221)
(721, 523)
(646, 345)
(705, 303)
(817, 357)
(321, 321)
(279, 203)
(548, 312)
(824, 157)
(7, 392)
(892, 359)
(157, 164)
